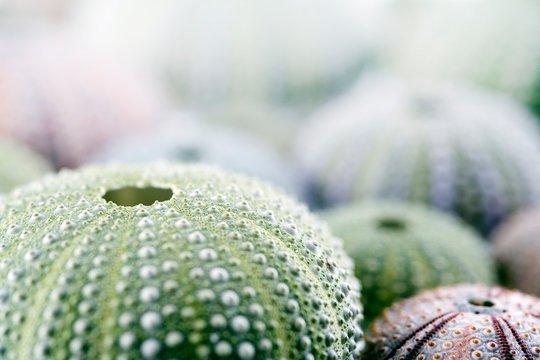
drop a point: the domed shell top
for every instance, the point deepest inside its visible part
(459, 322)
(455, 148)
(220, 266)
(66, 102)
(516, 246)
(401, 249)
(19, 165)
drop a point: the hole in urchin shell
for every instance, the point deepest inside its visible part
(480, 302)
(392, 224)
(132, 196)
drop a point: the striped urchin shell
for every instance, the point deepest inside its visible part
(19, 165)
(401, 249)
(218, 53)
(219, 266)
(66, 103)
(516, 248)
(459, 322)
(458, 149)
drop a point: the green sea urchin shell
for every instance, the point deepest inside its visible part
(400, 249)
(227, 268)
(458, 149)
(459, 322)
(19, 165)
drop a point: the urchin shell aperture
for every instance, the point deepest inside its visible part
(401, 249)
(228, 267)
(459, 322)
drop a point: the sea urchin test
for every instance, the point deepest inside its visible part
(459, 322)
(162, 261)
(400, 249)
(457, 149)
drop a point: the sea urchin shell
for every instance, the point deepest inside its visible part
(459, 322)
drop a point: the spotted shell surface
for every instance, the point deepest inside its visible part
(459, 322)
(66, 102)
(453, 147)
(19, 165)
(401, 249)
(227, 268)
(516, 246)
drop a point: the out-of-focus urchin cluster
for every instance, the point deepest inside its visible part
(187, 138)
(456, 148)
(492, 43)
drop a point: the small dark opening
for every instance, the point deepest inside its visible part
(485, 303)
(132, 196)
(392, 224)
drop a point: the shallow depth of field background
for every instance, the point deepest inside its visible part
(431, 102)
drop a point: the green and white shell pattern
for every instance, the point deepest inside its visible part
(227, 268)
(401, 249)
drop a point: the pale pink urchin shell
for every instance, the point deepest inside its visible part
(67, 103)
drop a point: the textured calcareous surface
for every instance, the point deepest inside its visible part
(455, 148)
(66, 102)
(227, 268)
(516, 248)
(400, 249)
(19, 165)
(459, 322)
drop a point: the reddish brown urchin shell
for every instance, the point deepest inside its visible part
(516, 246)
(459, 322)
(66, 102)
